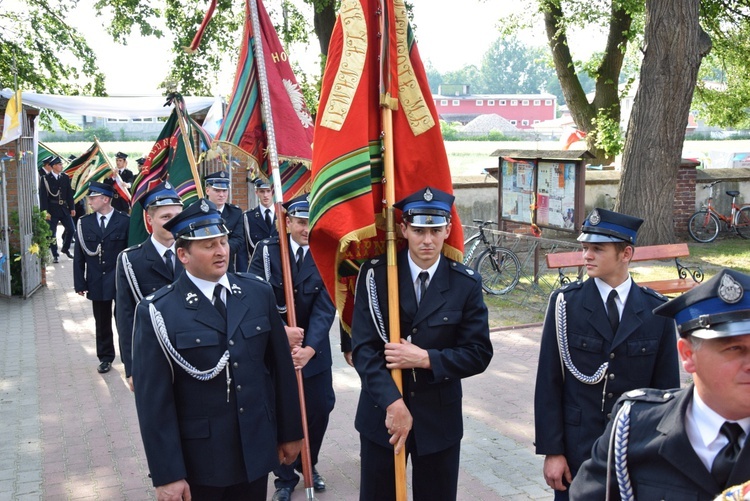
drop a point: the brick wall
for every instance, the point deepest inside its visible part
(684, 198)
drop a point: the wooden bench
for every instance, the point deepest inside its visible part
(687, 277)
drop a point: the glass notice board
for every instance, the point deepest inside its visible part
(556, 195)
(546, 187)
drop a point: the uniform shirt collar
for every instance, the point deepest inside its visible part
(622, 291)
(703, 426)
(416, 270)
(263, 209)
(161, 249)
(206, 287)
(107, 216)
(294, 246)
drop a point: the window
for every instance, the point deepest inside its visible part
(514, 102)
(536, 121)
(548, 102)
(480, 102)
(537, 102)
(490, 102)
(117, 120)
(501, 102)
(524, 122)
(525, 102)
(456, 102)
(443, 102)
(513, 122)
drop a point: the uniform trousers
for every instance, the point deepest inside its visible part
(105, 343)
(434, 476)
(246, 491)
(67, 223)
(319, 402)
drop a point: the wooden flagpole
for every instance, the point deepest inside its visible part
(182, 123)
(273, 159)
(388, 104)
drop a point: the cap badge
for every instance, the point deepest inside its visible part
(191, 298)
(222, 174)
(730, 290)
(204, 206)
(595, 218)
(428, 196)
(167, 185)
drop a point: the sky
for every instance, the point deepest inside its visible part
(450, 35)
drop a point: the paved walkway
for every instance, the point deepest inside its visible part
(69, 433)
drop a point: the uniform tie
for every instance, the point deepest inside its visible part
(612, 314)
(423, 277)
(268, 218)
(102, 223)
(300, 257)
(218, 303)
(168, 261)
(727, 456)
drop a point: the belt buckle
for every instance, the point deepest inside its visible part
(62, 202)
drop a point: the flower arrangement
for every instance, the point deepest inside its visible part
(40, 242)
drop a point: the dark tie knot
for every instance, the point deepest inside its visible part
(168, 255)
(733, 431)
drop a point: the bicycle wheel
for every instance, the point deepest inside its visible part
(500, 270)
(742, 222)
(703, 226)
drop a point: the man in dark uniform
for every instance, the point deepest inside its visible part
(217, 191)
(44, 167)
(140, 163)
(80, 207)
(56, 197)
(121, 162)
(260, 222)
(100, 238)
(147, 267)
(686, 443)
(599, 340)
(311, 348)
(443, 312)
(215, 387)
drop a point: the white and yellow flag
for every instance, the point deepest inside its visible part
(13, 125)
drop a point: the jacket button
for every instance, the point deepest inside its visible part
(411, 393)
(584, 344)
(609, 395)
(611, 376)
(445, 319)
(609, 416)
(414, 330)
(239, 387)
(235, 365)
(643, 350)
(242, 409)
(257, 328)
(611, 355)
(198, 340)
(231, 342)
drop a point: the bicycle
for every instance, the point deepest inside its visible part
(498, 266)
(705, 224)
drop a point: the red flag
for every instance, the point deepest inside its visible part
(346, 201)
(244, 125)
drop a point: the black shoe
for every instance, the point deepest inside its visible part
(67, 253)
(55, 259)
(104, 367)
(282, 494)
(319, 483)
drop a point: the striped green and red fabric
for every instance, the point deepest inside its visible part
(347, 201)
(90, 166)
(167, 160)
(244, 127)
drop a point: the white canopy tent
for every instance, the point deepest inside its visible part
(109, 107)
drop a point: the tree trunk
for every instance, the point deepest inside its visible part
(674, 46)
(323, 23)
(608, 73)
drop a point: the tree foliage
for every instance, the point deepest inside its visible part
(43, 53)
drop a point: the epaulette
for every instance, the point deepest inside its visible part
(652, 292)
(160, 293)
(270, 241)
(649, 395)
(570, 286)
(133, 247)
(252, 276)
(463, 269)
(377, 261)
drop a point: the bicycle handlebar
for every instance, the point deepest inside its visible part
(484, 223)
(705, 186)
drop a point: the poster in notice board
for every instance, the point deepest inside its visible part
(556, 195)
(518, 190)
